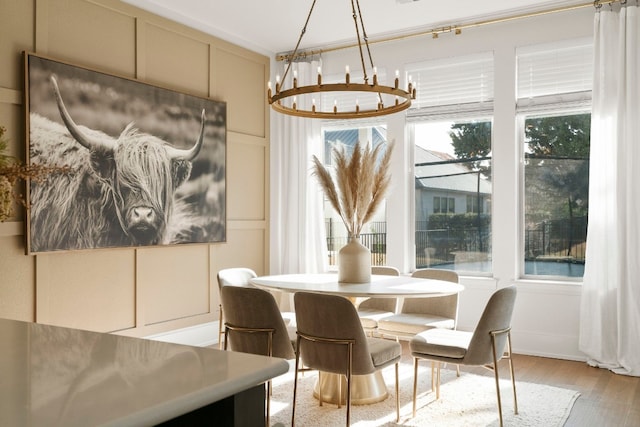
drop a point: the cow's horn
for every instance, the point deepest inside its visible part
(81, 137)
(190, 154)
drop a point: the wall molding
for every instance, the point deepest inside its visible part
(10, 96)
(11, 228)
(202, 335)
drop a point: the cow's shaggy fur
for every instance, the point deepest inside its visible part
(92, 206)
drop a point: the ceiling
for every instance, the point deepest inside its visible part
(274, 26)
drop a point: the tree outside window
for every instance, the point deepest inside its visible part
(556, 194)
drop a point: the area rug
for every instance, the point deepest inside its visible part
(468, 400)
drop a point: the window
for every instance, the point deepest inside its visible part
(444, 204)
(475, 204)
(374, 234)
(452, 156)
(554, 92)
(556, 194)
(446, 237)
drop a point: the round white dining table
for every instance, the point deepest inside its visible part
(370, 388)
(379, 286)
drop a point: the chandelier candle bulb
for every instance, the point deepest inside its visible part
(269, 90)
(290, 88)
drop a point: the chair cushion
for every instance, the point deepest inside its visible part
(369, 317)
(384, 352)
(410, 323)
(442, 343)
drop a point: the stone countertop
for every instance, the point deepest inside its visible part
(57, 376)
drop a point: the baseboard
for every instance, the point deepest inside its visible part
(202, 335)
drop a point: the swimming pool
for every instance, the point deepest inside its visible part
(531, 268)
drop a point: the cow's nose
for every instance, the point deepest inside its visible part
(142, 213)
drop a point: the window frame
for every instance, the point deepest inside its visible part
(521, 118)
(457, 117)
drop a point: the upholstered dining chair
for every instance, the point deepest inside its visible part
(330, 339)
(370, 310)
(238, 276)
(485, 346)
(253, 324)
(420, 314)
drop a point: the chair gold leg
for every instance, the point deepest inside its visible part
(497, 377)
(349, 368)
(415, 383)
(295, 383)
(458, 371)
(433, 375)
(513, 375)
(220, 328)
(397, 395)
(340, 390)
(438, 381)
(269, 388)
(320, 383)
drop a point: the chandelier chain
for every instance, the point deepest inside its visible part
(366, 41)
(304, 30)
(355, 23)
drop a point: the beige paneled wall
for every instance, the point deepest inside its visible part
(148, 290)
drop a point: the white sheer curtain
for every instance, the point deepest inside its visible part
(610, 310)
(298, 238)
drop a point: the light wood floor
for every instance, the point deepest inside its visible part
(606, 399)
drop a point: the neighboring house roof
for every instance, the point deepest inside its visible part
(447, 176)
(349, 137)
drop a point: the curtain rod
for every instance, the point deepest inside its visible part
(446, 29)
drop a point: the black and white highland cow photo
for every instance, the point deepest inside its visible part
(146, 165)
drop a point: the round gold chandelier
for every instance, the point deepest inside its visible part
(389, 99)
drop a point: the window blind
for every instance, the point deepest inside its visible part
(460, 85)
(559, 73)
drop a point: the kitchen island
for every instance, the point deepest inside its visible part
(55, 376)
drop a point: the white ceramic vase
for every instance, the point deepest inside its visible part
(354, 262)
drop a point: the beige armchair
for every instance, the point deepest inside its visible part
(238, 276)
(420, 314)
(254, 325)
(231, 277)
(370, 310)
(483, 347)
(331, 339)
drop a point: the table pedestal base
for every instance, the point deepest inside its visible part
(365, 389)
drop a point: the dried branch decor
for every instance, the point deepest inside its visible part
(12, 171)
(358, 185)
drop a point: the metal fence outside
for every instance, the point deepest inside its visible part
(562, 240)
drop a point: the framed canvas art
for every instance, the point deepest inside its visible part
(146, 165)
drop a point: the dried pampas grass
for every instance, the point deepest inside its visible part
(359, 184)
